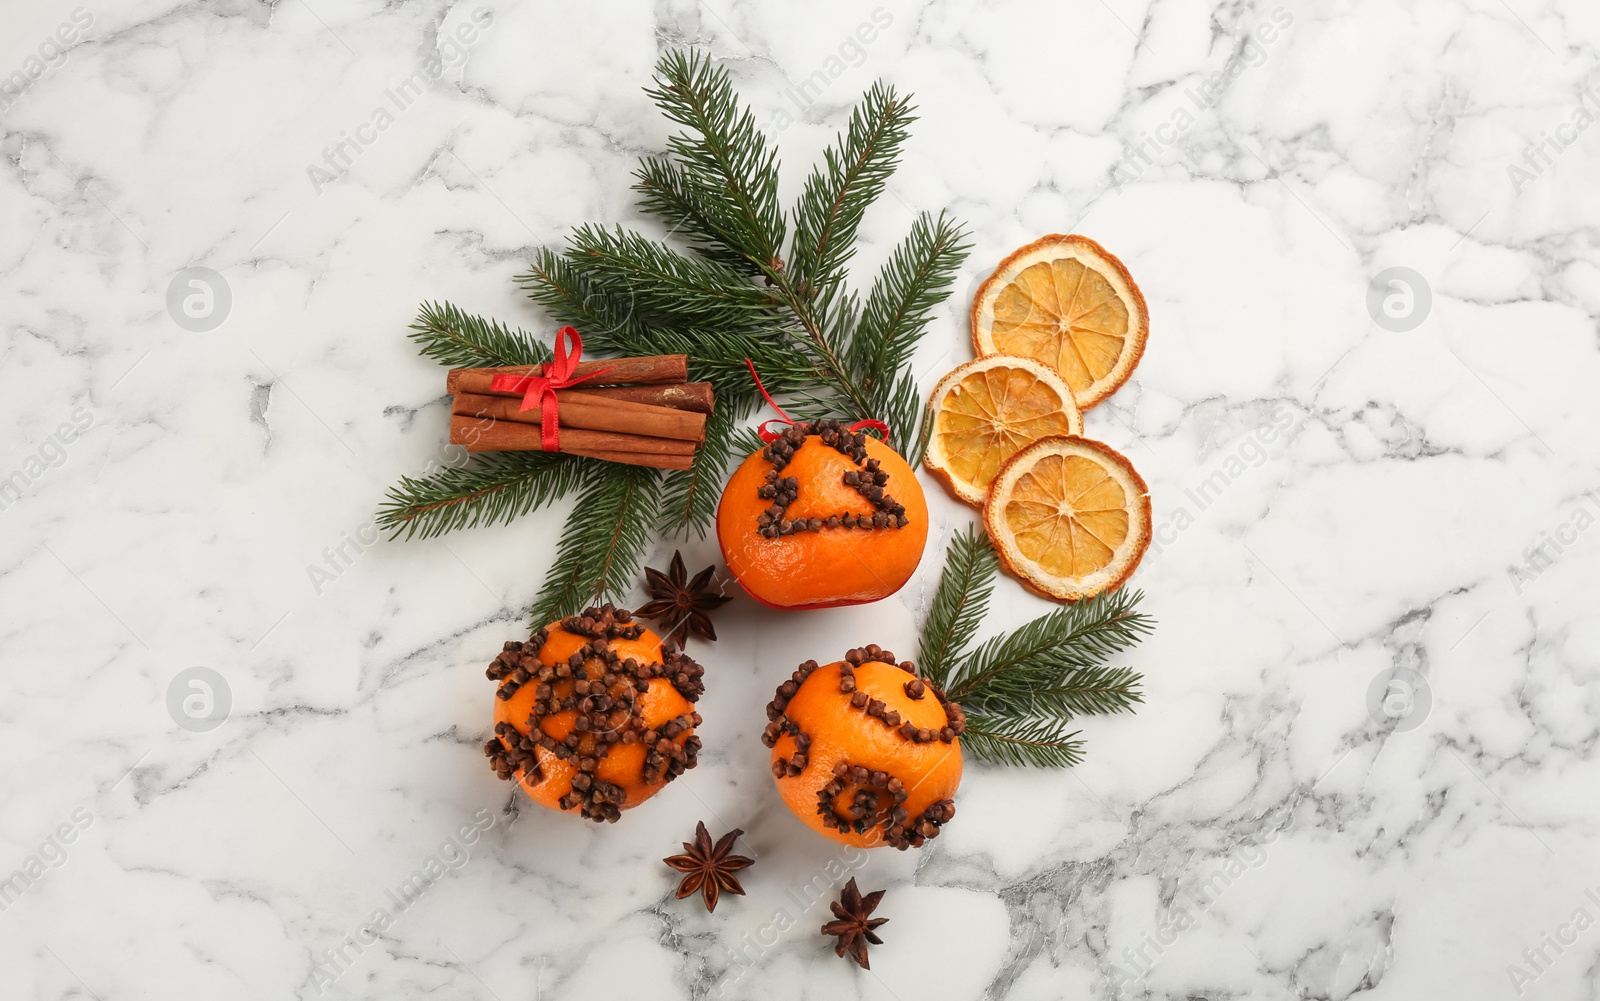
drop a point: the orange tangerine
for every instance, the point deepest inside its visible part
(593, 714)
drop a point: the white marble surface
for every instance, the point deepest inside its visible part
(1386, 524)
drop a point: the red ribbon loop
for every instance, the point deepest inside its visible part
(540, 390)
(767, 434)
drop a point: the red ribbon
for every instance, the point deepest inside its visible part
(766, 434)
(540, 390)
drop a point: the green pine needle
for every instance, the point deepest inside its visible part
(606, 320)
(1004, 740)
(611, 325)
(667, 191)
(602, 542)
(495, 488)
(689, 497)
(450, 336)
(911, 286)
(1079, 635)
(663, 283)
(724, 164)
(852, 175)
(970, 569)
(1022, 691)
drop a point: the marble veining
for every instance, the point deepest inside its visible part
(1366, 763)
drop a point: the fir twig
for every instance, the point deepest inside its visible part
(970, 569)
(1013, 667)
(1022, 741)
(728, 171)
(494, 488)
(725, 167)
(1022, 691)
(451, 336)
(850, 178)
(911, 286)
(665, 283)
(611, 325)
(667, 191)
(689, 497)
(606, 320)
(603, 541)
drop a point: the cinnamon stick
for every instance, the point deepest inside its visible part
(694, 396)
(593, 413)
(636, 458)
(484, 435)
(651, 370)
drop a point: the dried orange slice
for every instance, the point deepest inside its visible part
(988, 410)
(1069, 517)
(1067, 302)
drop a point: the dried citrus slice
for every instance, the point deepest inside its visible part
(1067, 302)
(988, 410)
(1069, 517)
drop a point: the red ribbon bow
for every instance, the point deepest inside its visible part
(765, 434)
(540, 390)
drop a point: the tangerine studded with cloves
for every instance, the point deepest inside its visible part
(594, 714)
(864, 751)
(822, 516)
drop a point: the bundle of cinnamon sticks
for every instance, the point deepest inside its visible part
(639, 411)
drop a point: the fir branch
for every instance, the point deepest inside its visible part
(725, 166)
(830, 362)
(602, 542)
(689, 497)
(1082, 691)
(610, 324)
(916, 279)
(1009, 740)
(745, 441)
(732, 177)
(970, 569)
(495, 488)
(605, 319)
(663, 282)
(838, 192)
(1083, 634)
(666, 191)
(450, 336)
(1022, 691)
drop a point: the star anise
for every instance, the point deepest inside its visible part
(854, 927)
(709, 868)
(683, 605)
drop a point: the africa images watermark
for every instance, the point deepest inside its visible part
(51, 854)
(1140, 156)
(51, 454)
(850, 53)
(339, 157)
(1553, 544)
(1538, 959)
(335, 961)
(1251, 452)
(1540, 156)
(820, 885)
(48, 55)
(1189, 905)
(341, 556)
